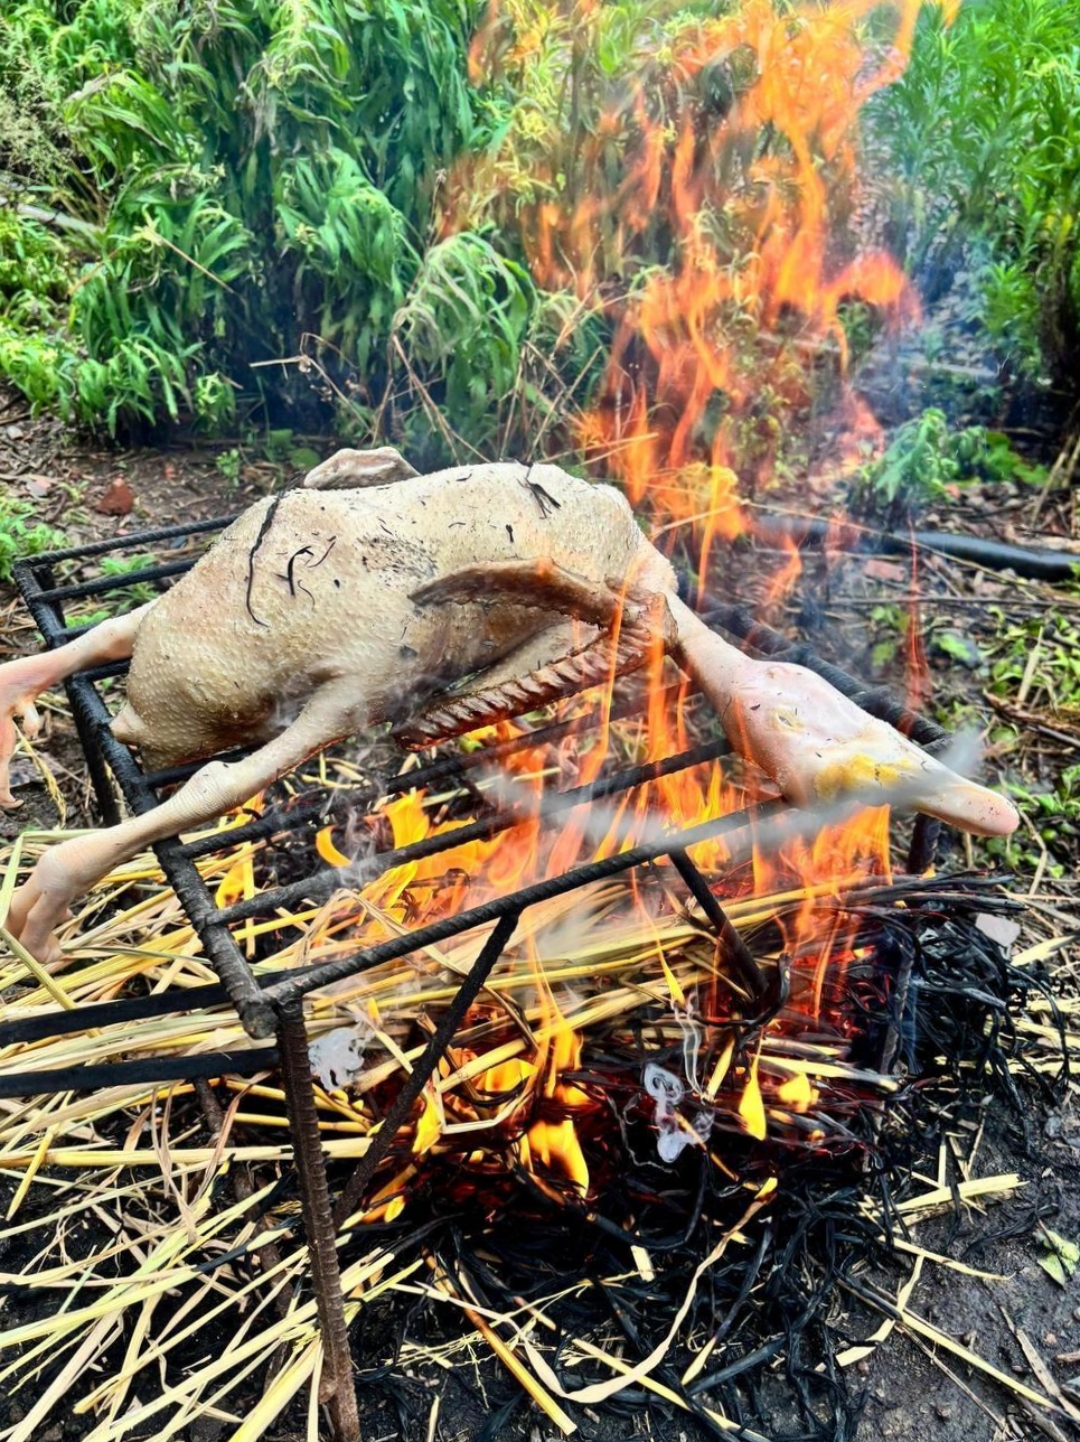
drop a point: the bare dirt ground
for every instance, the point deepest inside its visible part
(1020, 1321)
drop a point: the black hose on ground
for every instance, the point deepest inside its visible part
(1036, 565)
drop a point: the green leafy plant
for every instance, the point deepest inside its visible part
(920, 461)
(1035, 671)
(982, 139)
(124, 598)
(438, 220)
(228, 464)
(139, 591)
(924, 457)
(231, 176)
(1060, 1257)
(22, 534)
(1037, 662)
(890, 625)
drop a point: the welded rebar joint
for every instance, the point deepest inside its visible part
(340, 1389)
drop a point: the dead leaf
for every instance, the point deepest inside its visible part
(885, 571)
(118, 499)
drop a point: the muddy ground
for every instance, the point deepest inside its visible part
(910, 1389)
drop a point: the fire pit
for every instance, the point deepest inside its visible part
(757, 1033)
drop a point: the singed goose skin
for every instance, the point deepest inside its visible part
(373, 594)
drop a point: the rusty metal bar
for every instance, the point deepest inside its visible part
(300, 983)
(340, 1394)
(422, 1069)
(731, 945)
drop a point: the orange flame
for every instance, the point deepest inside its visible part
(731, 144)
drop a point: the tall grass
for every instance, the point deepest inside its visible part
(981, 138)
(247, 172)
(436, 216)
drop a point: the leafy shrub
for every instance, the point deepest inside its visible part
(246, 174)
(464, 321)
(924, 456)
(464, 224)
(21, 534)
(982, 141)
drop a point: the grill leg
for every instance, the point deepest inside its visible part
(924, 844)
(318, 1223)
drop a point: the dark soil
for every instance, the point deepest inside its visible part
(907, 1391)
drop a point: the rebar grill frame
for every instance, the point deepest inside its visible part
(275, 1008)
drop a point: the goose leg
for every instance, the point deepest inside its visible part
(817, 745)
(22, 681)
(68, 870)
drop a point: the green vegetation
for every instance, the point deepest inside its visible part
(22, 534)
(982, 139)
(230, 177)
(926, 455)
(1035, 672)
(1060, 1257)
(125, 598)
(439, 220)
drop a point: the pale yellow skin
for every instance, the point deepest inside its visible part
(307, 621)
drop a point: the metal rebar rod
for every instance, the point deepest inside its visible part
(897, 1009)
(130, 542)
(452, 763)
(324, 883)
(318, 1220)
(922, 849)
(49, 617)
(312, 978)
(221, 950)
(95, 1015)
(731, 945)
(447, 767)
(104, 584)
(144, 1071)
(414, 1084)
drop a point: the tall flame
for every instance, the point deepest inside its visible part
(731, 146)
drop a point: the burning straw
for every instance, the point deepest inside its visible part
(627, 1180)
